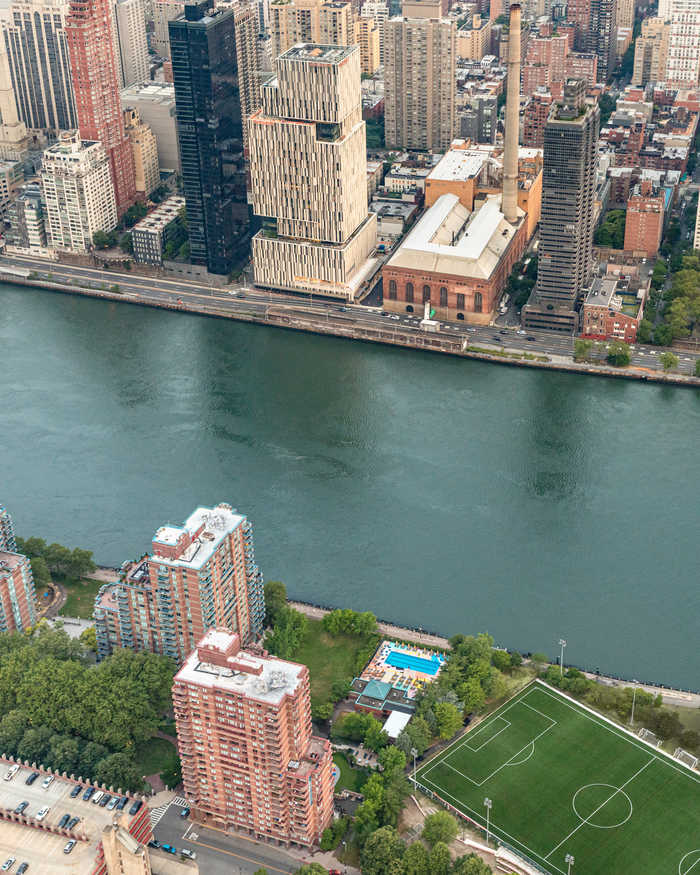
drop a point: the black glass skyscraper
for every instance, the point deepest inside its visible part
(207, 78)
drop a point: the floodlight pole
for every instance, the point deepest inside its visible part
(634, 699)
(414, 754)
(569, 860)
(488, 803)
(562, 644)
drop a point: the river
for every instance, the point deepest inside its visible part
(451, 494)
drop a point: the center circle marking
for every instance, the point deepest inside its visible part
(614, 792)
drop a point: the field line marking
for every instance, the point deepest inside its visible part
(692, 867)
(602, 805)
(606, 723)
(546, 716)
(489, 740)
(493, 827)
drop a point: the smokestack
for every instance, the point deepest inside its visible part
(509, 203)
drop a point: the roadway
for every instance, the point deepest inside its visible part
(251, 302)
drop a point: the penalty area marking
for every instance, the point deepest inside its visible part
(514, 762)
(681, 870)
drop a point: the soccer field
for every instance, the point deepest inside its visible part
(563, 780)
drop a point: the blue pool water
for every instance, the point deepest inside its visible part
(398, 659)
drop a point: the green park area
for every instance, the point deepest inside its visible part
(81, 597)
(351, 778)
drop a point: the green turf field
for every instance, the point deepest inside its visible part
(564, 781)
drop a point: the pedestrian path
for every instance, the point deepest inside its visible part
(158, 813)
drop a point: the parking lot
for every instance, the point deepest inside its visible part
(42, 850)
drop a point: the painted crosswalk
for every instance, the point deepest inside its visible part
(158, 813)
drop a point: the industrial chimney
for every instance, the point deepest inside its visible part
(509, 204)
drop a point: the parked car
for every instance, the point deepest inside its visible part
(74, 821)
(42, 812)
(112, 804)
(169, 848)
(96, 798)
(8, 864)
(135, 807)
(190, 855)
(22, 868)
(68, 847)
(32, 778)
(154, 844)
(88, 793)
(122, 803)
(21, 808)
(75, 791)
(185, 812)
(11, 772)
(63, 821)
(105, 800)
(47, 782)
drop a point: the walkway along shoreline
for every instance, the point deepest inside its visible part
(386, 335)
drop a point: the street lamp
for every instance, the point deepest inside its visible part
(488, 803)
(562, 644)
(634, 699)
(569, 860)
(414, 754)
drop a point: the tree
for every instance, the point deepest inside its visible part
(311, 869)
(101, 240)
(12, 728)
(322, 712)
(40, 571)
(126, 243)
(275, 600)
(690, 740)
(58, 559)
(501, 659)
(392, 760)
(697, 368)
(118, 770)
(516, 659)
(618, 354)
(287, 634)
(80, 563)
(416, 860)
(668, 360)
(90, 756)
(644, 331)
(470, 865)
(582, 350)
(34, 744)
(375, 738)
(658, 275)
(382, 852)
(449, 719)
(63, 753)
(440, 827)
(416, 735)
(440, 860)
(88, 638)
(472, 695)
(539, 660)
(32, 547)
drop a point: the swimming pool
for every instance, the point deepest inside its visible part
(399, 659)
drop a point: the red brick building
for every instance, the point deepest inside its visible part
(535, 117)
(456, 261)
(90, 37)
(17, 595)
(249, 760)
(644, 221)
(612, 310)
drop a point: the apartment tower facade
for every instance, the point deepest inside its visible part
(95, 72)
(34, 32)
(198, 575)
(214, 60)
(683, 62)
(17, 595)
(249, 760)
(317, 234)
(131, 42)
(651, 52)
(7, 531)
(566, 223)
(420, 54)
(602, 36)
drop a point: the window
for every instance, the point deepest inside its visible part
(477, 302)
(392, 290)
(460, 302)
(409, 292)
(443, 296)
(426, 293)
(460, 316)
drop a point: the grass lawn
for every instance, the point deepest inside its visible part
(328, 657)
(562, 780)
(81, 597)
(350, 777)
(154, 755)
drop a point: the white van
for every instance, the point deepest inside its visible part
(11, 772)
(96, 798)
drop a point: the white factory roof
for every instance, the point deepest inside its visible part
(218, 522)
(451, 240)
(277, 678)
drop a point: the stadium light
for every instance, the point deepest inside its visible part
(569, 860)
(488, 803)
(562, 644)
(634, 699)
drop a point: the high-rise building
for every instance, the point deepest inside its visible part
(651, 52)
(131, 42)
(683, 62)
(420, 79)
(578, 12)
(317, 234)
(7, 531)
(367, 38)
(27, 224)
(644, 221)
(479, 121)
(336, 24)
(214, 62)
(294, 21)
(198, 575)
(17, 595)
(163, 12)
(379, 11)
(78, 192)
(535, 117)
(11, 179)
(90, 34)
(249, 760)
(145, 151)
(602, 36)
(625, 13)
(155, 103)
(566, 223)
(34, 33)
(14, 139)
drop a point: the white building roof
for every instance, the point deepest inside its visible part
(395, 723)
(450, 240)
(459, 164)
(218, 522)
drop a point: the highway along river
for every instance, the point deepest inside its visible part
(451, 494)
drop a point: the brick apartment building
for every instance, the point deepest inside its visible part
(644, 221)
(249, 761)
(198, 575)
(7, 531)
(17, 595)
(613, 309)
